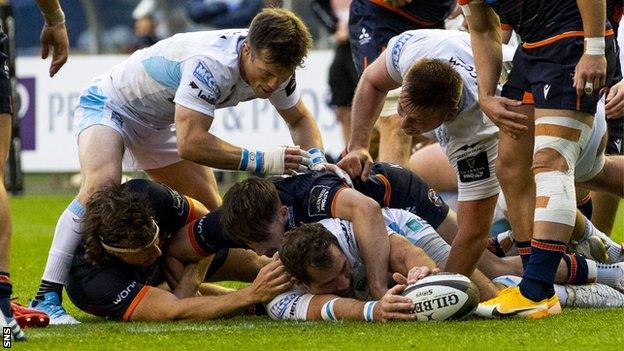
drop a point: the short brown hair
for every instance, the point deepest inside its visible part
(307, 246)
(432, 83)
(248, 208)
(282, 35)
(118, 217)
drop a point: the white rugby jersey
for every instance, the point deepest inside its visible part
(467, 138)
(198, 70)
(293, 304)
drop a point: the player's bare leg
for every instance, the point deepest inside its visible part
(100, 153)
(394, 145)
(190, 179)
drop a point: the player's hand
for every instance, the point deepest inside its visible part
(394, 306)
(356, 163)
(590, 74)
(296, 159)
(414, 275)
(55, 36)
(614, 107)
(272, 280)
(397, 3)
(324, 166)
(496, 108)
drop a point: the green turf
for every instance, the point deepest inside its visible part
(34, 218)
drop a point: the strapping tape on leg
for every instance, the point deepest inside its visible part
(565, 135)
(556, 199)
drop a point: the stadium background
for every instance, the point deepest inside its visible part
(100, 36)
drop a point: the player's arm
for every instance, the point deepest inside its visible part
(54, 34)
(161, 305)
(301, 306)
(302, 126)
(591, 70)
(487, 50)
(367, 103)
(410, 262)
(197, 144)
(370, 234)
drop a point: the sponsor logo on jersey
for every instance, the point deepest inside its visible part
(618, 144)
(434, 197)
(546, 90)
(317, 201)
(414, 225)
(364, 38)
(473, 168)
(398, 47)
(204, 75)
(291, 217)
(124, 293)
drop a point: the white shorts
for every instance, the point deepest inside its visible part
(476, 170)
(592, 159)
(146, 147)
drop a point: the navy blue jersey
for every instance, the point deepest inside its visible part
(427, 13)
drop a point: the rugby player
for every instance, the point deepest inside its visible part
(325, 260)
(131, 265)
(157, 108)
(371, 24)
(559, 77)
(53, 34)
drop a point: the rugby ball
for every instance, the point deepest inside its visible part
(443, 296)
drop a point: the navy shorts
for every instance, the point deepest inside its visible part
(343, 77)
(6, 104)
(544, 75)
(615, 134)
(370, 29)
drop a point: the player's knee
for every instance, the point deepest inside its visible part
(547, 160)
(555, 197)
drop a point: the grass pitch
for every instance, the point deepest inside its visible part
(34, 218)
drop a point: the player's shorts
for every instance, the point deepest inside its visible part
(544, 75)
(6, 103)
(592, 159)
(146, 147)
(616, 134)
(475, 169)
(342, 77)
(113, 291)
(370, 29)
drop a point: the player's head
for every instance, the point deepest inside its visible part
(277, 43)
(313, 256)
(119, 224)
(252, 214)
(430, 96)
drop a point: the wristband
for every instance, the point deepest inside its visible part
(251, 160)
(54, 17)
(368, 310)
(327, 311)
(595, 46)
(318, 156)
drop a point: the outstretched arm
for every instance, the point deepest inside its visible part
(54, 34)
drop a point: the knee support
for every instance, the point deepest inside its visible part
(555, 193)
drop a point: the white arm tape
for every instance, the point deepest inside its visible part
(595, 46)
(292, 305)
(369, 308)
(327, 311)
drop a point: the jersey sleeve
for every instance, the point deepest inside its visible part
(287, 95)
(292, 304)
(201, 85)
(207, 235)
(393, 54)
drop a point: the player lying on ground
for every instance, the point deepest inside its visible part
(131, 265)
(325, 261)
(157, 107)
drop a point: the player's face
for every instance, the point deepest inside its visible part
(263, 78)
(334, 280)
(276, 230)
(416, 120)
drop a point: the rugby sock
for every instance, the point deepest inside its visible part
(67, 237)
(537, 281)
(614, 250)
(586, 206)
(580, 270)
(6, 289)
(609, 274)
(47, 286)
(524, 250)
(562, 294)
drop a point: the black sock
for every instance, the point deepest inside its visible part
(6, 289)
(47, 286)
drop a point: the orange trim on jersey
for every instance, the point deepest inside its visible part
(585, 199)
(191, 214)
(578, 33)
(365, 62)
(388, 192)
(572, 269)
(578, 102)
(506, 27)
(527, 98)
(194, 244)
(335, 201)
(135, 302)
(403, 13)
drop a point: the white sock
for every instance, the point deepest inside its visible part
(562, 294)
(67, 237)
(608, 274)
(614, 249)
